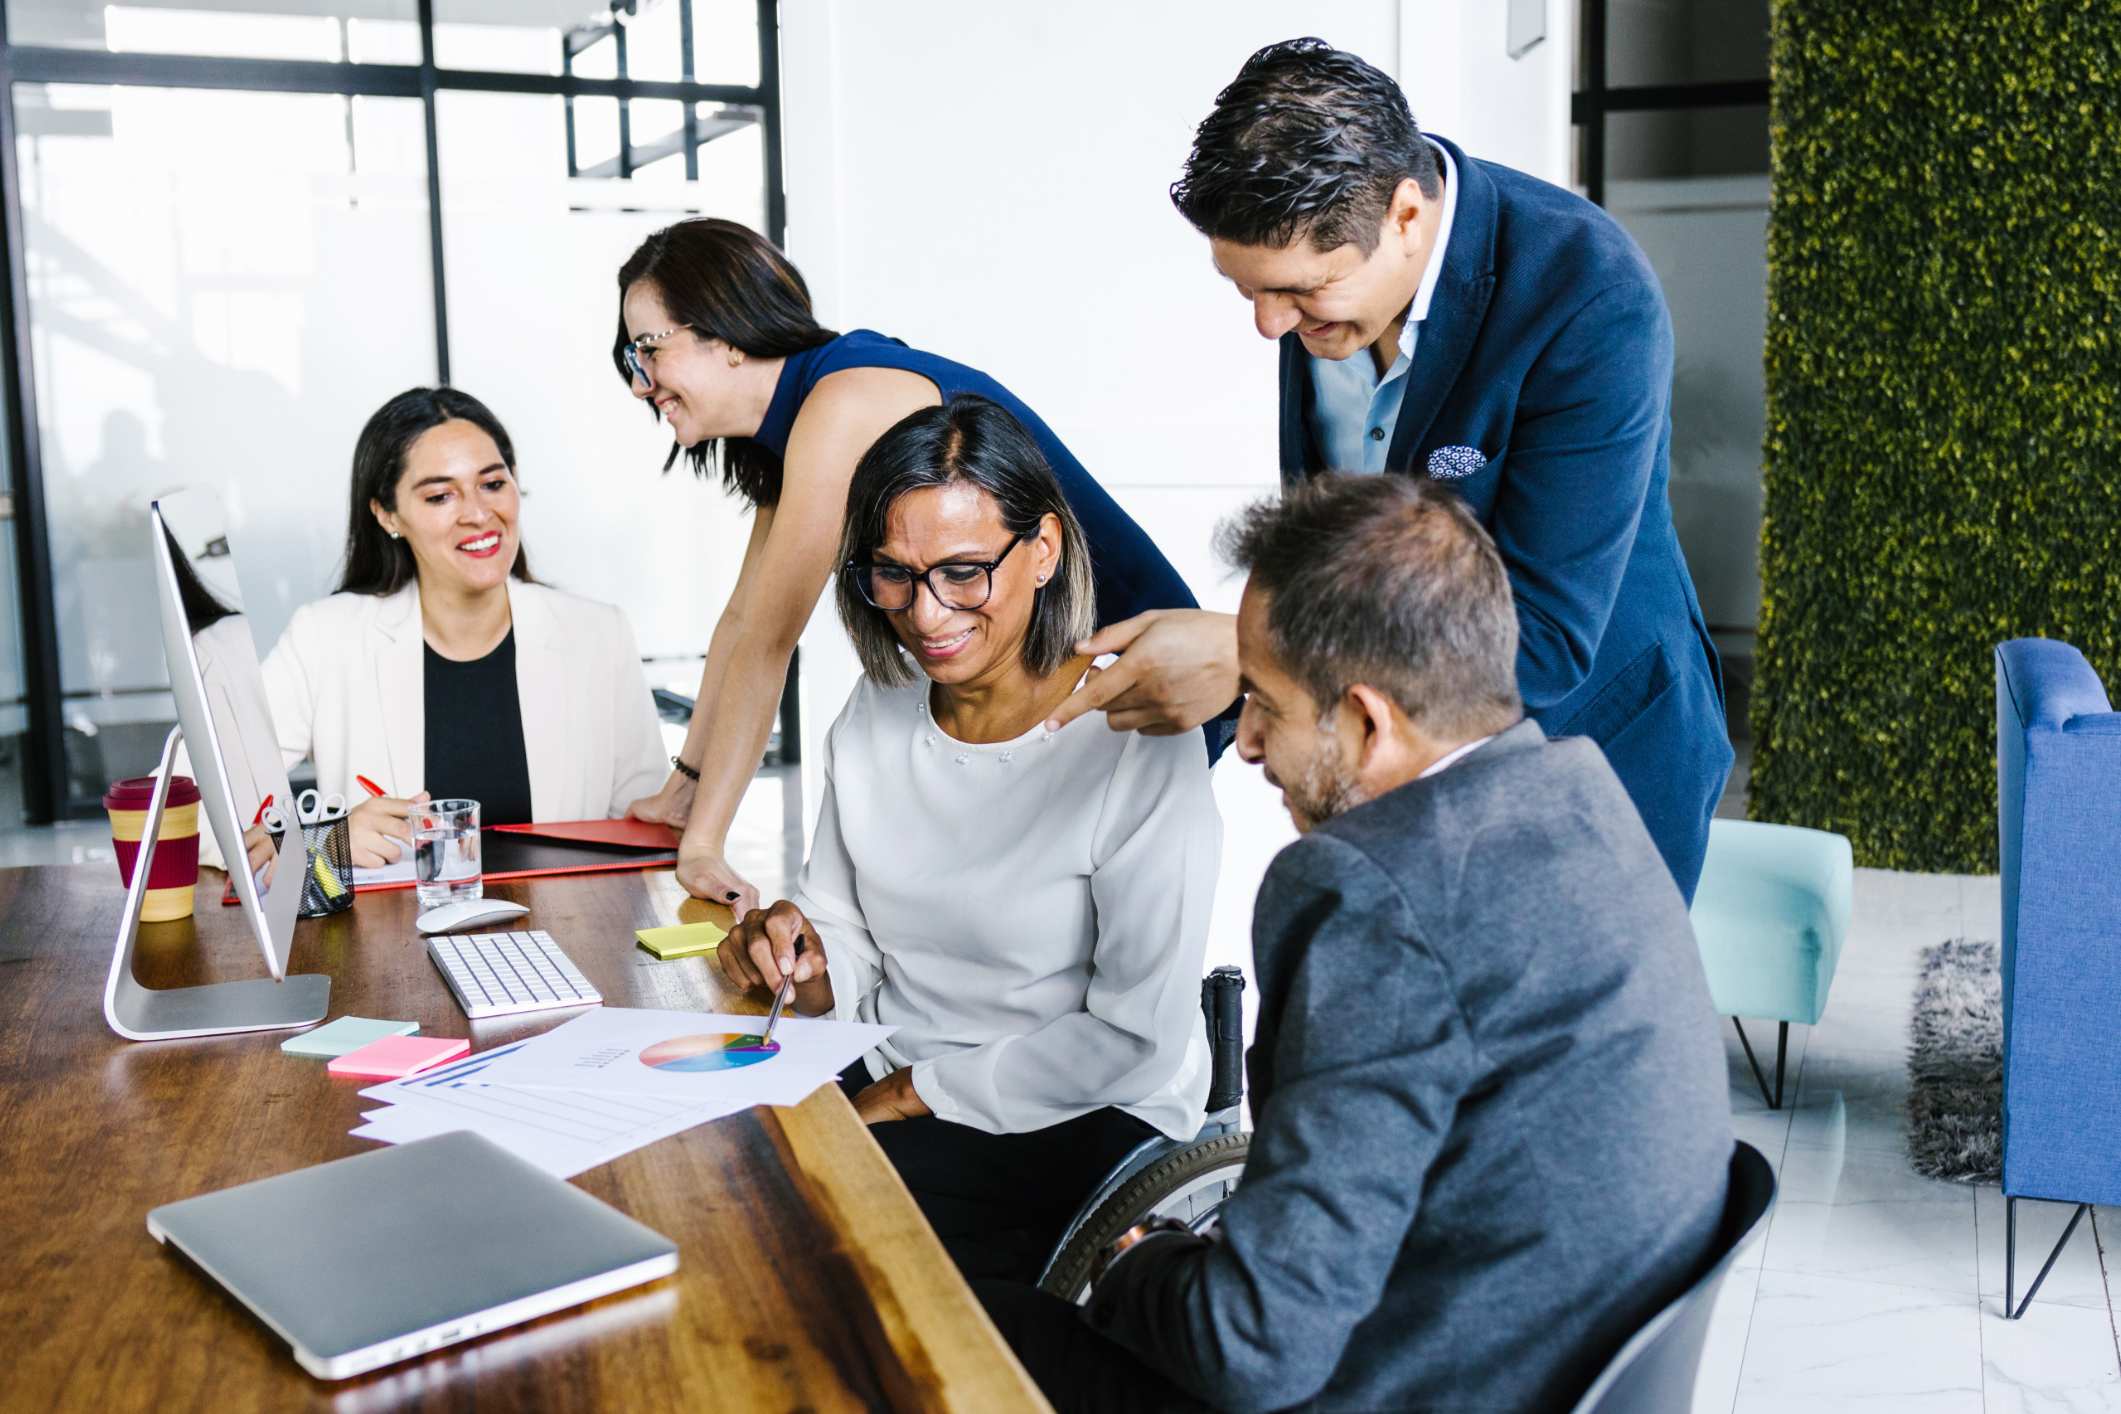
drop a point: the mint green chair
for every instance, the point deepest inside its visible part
(1770, 915)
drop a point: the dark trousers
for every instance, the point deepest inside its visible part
(1079, 1370)
(1001, 1201)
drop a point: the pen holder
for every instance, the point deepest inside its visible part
(327, 881)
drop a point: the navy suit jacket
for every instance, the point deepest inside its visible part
(1548, 349)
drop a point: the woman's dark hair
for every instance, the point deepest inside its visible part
(375, 563)
(725, 281)
(973, 440)
(1306, 141)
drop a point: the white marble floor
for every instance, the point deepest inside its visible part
(1875, 1289)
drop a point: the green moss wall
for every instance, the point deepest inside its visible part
(1943, 457)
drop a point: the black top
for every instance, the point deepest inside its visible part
(475, 734)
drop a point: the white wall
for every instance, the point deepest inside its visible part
(1455, 66)
(989, 182)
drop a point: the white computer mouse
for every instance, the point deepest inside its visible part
(468, 913)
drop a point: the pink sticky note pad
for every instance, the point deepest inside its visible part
(396, 1056)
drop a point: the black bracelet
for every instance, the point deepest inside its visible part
(685, 770)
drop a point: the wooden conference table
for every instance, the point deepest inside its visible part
(807, 1277)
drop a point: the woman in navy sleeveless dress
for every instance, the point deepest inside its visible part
(716, 333)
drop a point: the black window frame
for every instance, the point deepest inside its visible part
(1590, 104)
(44, 766)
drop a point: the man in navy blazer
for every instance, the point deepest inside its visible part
(1439, 315)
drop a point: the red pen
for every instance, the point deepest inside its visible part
(370, 786)
(263, 806)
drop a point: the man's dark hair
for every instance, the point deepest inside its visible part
(1387, 581)
(1309, 141)
(375, 563)
(973, 440)
(725, 281)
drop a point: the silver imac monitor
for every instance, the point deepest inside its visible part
(225, 724)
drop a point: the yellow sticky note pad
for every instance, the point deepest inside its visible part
(685, 940)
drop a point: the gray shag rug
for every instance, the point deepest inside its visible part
(1955, 1061)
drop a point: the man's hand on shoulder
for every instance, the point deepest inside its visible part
(1177, 668)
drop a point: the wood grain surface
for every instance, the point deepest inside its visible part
(807, 1278)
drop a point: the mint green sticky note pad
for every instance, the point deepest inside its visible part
(348, 1033)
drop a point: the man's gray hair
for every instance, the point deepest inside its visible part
(1387, 581)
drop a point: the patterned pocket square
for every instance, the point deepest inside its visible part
(1455, 463)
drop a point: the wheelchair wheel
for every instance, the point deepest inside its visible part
(1189, 1185)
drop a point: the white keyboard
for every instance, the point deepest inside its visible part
(498, 974)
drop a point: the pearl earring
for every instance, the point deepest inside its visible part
(393, 535)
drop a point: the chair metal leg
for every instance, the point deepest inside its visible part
(1782, 1056)
(1773, 1099)
(2010, 1256)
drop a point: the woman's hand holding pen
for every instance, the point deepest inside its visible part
(779, 942)
(378, 828)
(263, 849)
(763, 951)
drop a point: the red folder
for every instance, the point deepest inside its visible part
(624, 834)
(569, 847)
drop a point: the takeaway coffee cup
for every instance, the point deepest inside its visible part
(175, 872)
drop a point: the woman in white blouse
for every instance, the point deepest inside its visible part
(440, 667)
(1028, 908)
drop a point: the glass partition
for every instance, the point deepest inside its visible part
(14, 699)
(324, 31)
(202, 320)
(1674, 140)
(231, 251)
(1685, 41)
(533, 260)
(577, 36)
(1691, 186)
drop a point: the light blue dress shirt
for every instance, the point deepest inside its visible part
(1353, 411)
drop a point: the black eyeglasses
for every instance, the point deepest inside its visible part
(960, 584)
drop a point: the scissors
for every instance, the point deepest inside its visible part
(312, 809)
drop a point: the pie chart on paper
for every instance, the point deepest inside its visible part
(714, 1051)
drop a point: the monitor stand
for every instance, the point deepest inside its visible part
(143, 1014)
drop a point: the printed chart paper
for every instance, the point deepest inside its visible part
(688, 1055)
(702, 1062)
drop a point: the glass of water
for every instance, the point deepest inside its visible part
(445, 852)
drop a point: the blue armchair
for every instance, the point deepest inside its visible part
(2058, 822)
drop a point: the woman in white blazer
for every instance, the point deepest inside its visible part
(440, 668)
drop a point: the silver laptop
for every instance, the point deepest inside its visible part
(374, 1259)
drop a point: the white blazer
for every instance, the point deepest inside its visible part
(347, 684)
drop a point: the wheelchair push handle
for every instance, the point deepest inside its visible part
(1222, 1002)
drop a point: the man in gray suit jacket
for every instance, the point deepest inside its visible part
(1493, 1118)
